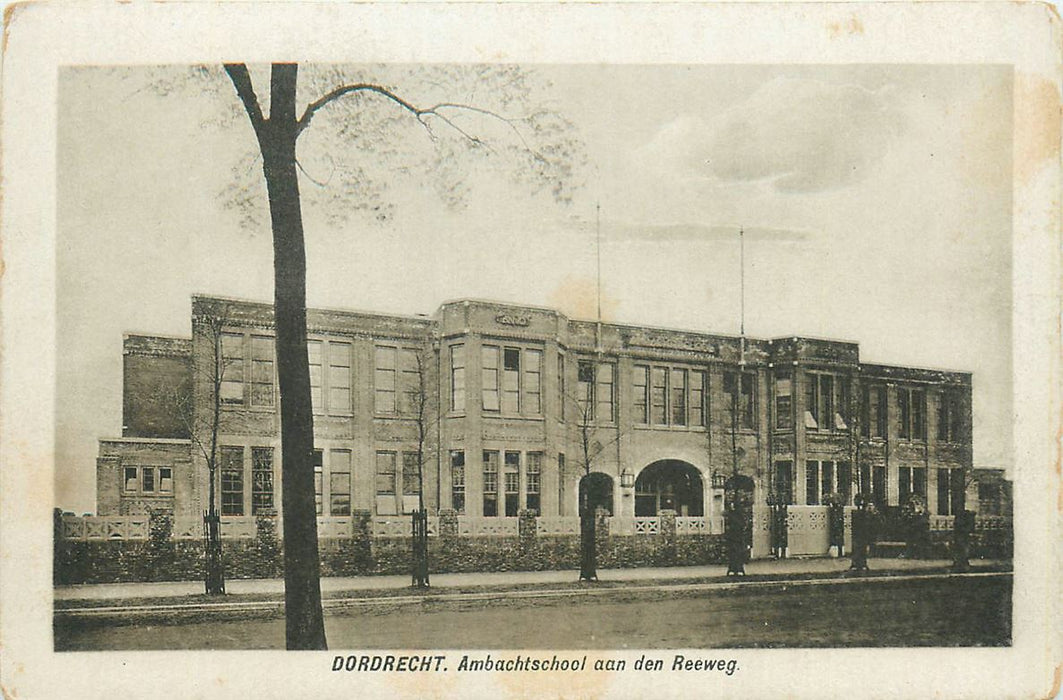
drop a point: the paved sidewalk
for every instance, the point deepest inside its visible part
(336, 584)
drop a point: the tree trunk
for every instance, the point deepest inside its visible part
(588, 566)
(302, 588)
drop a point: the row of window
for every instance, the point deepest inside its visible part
(511, 384)
(824, 477)
(148, 480)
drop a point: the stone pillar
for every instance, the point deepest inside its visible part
(527, 529)
(448, 523)
(667, 535)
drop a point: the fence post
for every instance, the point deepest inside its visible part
(667, 534)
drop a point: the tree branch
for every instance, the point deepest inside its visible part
(241, 79)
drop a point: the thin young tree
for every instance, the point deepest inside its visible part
(538, 144)
(209, 367)
(421, 403)
(593, 442)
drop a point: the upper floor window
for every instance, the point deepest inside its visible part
(911, 405)
(784, 417)
(669, 395)
(561, 396)
(339, 482)
(384, 379)
(457, 377)
(330, 376)
(520, 389)
(873, 411)
(261, 371)
(596, 391)
(950, 416)
(231, 370)
(741, 398)
(826, 402)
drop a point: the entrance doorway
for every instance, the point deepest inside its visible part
(669, 484)
(597, 488)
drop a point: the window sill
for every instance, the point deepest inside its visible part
(672, 428)
(506, 416)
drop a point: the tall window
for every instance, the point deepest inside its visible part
(561, 397)
(533, 479)
(911, 480)
(457, 377)
(261, 479)
(641, 382)
(148, 480)
(489, 377)
(511, 380)
(339, 377)
(825, 477)
(739, 391)
(784, 418)
(950, 491)
(585, 390)
(409, 381)
(533, 389)
(232, 481)
(385, 473)
(605, 392)
(317, 459)
(678, 381)
(339, 478)
(384, 380)
(411, 468)
(560, 483)
(911, 405)
(165, 480)
(873, 411)
(130, 483)
(784, 481)
(490, 466)
(232, 368)
(697, 398)
(845, 481)
(313, 355)
(261, 371)
(950, 416)
(659, 396)
(812, 483)
(511, 482)
(457, 480)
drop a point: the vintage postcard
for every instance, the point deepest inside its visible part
(530, 350)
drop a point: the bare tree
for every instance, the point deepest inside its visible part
(277, 134)
(421, 403)
(209, 367)
(594, 440)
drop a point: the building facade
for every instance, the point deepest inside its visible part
(521, 407)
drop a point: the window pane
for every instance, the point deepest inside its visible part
(658, 397)
(148, 481)
(339, 379)
(905, 410)
(384, 379)
(232, 368)
(489, 377)
(490, 483)
(313, 354)
(811, 483)
(511, 380)
(410, 474)
(641, 382)
(585, 375)
(232, 480)
(130, 478)
(457, 378)
(606, 373)
(261, 479)
(679, 390)
(457, 480)
(385, 473)
(340, 494)
(533, 381)
(261, 371)
(165, 480)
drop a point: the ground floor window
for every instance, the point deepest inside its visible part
(784, 481)
(339, 482)
(512, 483)
(533, 485)
(824, 477)
(490, 483)
(232, 481)
(950, 496)
(669, 485)
(261, 479)
(457, 480)
(911, 481)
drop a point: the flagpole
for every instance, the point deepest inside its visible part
(742, 293)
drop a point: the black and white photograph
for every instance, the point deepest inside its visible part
(540, 375)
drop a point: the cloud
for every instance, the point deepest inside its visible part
(799, 135)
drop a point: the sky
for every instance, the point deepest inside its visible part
(876, 202)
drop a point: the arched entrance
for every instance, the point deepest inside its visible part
(669, 484)
(598, 489)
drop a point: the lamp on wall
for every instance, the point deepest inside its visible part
(627, 479)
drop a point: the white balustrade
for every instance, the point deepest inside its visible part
(558, 525)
